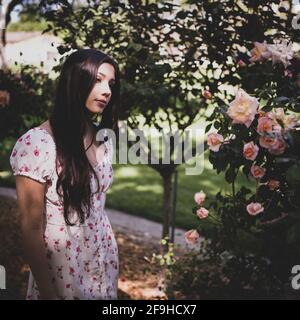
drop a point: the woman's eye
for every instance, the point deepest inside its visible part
(98, 80)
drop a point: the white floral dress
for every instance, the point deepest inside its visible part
(83, 259)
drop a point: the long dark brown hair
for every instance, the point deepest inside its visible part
(69, 122)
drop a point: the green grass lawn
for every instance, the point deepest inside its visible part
(137, 190)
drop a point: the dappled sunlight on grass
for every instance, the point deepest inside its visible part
(137, 189)
(127, 172)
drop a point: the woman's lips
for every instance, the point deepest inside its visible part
(101, 103)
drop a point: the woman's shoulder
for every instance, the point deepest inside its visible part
(36, 137)
(34, 154)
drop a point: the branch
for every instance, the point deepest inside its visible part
(8, 11)
(274, 221)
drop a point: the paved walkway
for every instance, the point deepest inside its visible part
(143, 229)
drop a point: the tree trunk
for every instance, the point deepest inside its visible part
(5, 19)
(167, 203)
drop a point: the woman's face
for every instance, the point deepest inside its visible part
(101, 93)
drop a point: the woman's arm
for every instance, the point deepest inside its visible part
(31, 195)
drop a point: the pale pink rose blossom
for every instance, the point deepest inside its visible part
(281, 52)
(259, 52)
(250, 151)
(278, 114)
(265, 125)
(254, 208)
(288, 73)
(267, 141)
(214, 141)
(199, 197)
(202, 213)
(243, 108)
(278, 147)
(257, 171)
(192, 236)
(290, 122)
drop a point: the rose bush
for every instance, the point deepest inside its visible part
(256, 134)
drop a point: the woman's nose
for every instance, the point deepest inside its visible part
(107, 90)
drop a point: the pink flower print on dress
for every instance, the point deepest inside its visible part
(24, 168)
(78, 250)
(27, 140)
(49, 254)
(20, 140)
(14, 153)
(36, 152)
(71, 272)
(87, 266)
(59, 271)
(68, 244)
(56, 245)
(114, 264)
(86, 242)
(24, 153)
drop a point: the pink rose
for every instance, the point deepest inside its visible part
(265, 125)
(266, 141)
(259, 52)
(207, 94)
(192, 236)
(291, 122)
(250, 151)
(278, 147)
(202, 213)
(243, 108)
(273, 184)
(254, 208)
(199, 197)
(214, 141)
(281, 52)
(257, 171)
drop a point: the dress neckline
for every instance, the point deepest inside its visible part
(94, 166)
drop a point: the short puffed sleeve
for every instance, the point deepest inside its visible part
(32, 155)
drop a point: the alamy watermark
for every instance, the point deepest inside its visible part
(296, 277)
(296, 19)
(151, 146)
(2, 278)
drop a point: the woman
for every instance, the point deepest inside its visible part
(62, 175)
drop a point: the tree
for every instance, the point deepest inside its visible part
(5, 15)
(169, 54)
